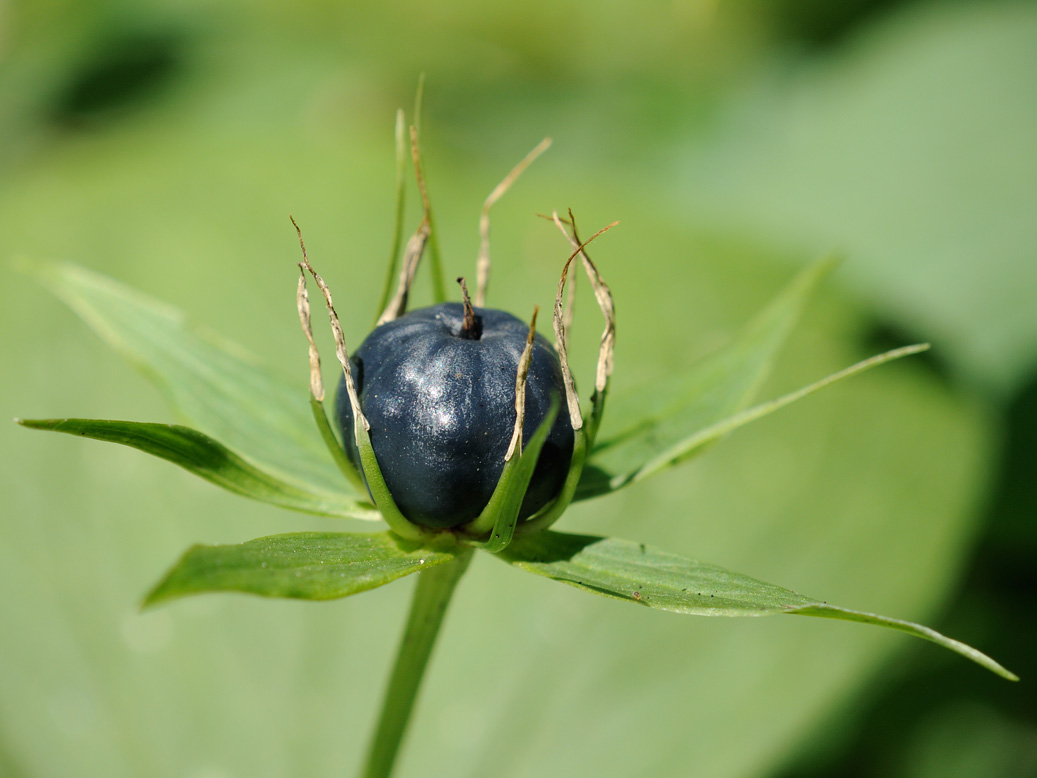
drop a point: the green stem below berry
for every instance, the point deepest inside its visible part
(431, 598)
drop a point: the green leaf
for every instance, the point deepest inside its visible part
(205, 457)
(696, 442)
(642, 425)
(630, 571)
(962, 74)
(301, 565)
(214, 385)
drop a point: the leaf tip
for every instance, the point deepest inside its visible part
(175, 583)
(150, 601)
(160, 592)
(820, 268)
(825, 610)
(1007, 674)
(33, 424)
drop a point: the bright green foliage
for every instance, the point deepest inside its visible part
(598, 481)
(212, 384)
(676, 420)
(302, 565)
(915, 148)
(648, 428)
(205, 457)
(638, 573)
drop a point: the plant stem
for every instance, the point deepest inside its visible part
(431, 598)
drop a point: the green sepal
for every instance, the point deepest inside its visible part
(598, 481)
(592, 421)
(335, 448)
(500, 516)
(383, 499)
(646, 421)
(553, 511)
(397, 229)
(439, 291)
(583, 442)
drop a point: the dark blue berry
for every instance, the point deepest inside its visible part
(440, 398)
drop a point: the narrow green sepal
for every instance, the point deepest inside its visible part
(592, 421)
(554, 510)
(397, 230)
(582, 443)
(383, 500)
(500, 516)
(599, 480)
(439, 290)
(647, 422)
(338, 453)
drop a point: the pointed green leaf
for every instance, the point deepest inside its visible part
(644, 428)
(630, 571)
(214, 385)
(599, 481)
(301, 565)
(205, 457)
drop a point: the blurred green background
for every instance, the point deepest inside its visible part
(166, 143)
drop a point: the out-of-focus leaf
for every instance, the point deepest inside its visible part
(643, 424)
(214, 385)
(301, 565)
(210, 459)
(631, 571)
(913, 151)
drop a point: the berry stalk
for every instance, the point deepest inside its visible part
(431, 598)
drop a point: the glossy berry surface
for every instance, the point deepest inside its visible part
(441, 404)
